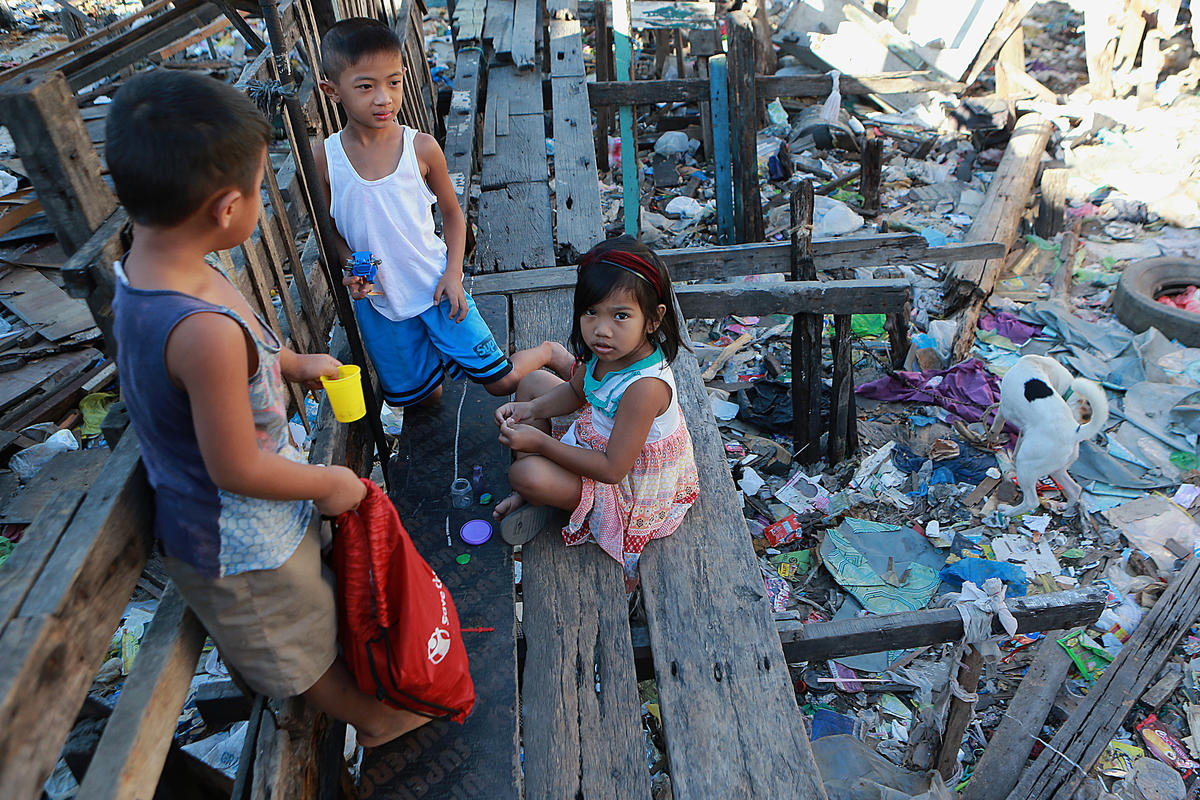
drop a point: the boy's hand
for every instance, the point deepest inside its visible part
(345, 492)
(517, 412)
(521, 438)
(359, 288)
(450, 286)
(312, 367)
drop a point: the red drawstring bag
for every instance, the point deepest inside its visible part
(397, 623)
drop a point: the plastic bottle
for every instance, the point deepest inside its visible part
(478, 484)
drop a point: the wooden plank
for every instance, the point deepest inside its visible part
(1007, 751)
(576, 181)
(109, 58)
(1010, 20)
(631, 193)
(1083, 737)
(27, 560)
(524, 159)
(462, 123)
(717, 300)
(517, 219)
(526, 20)
(40, 113)
(696, 263)
(743, 128)
(498, 25)
(820, 641)
(133, 748)
(729, 710)
(604, 73)
(722, 148)
(71, 472)
(582, 720)
(49, 310)
(24, 382)
(690, 90)
(55, 643)
(282, 231)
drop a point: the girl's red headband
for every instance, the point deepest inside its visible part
(629, 262)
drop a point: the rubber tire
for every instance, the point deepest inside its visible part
(1141, 282)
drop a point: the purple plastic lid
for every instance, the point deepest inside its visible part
(477, 531)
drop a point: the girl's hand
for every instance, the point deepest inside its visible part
(345, 492)
(522, 438)
(517, 412)
(359, 288)
(309, 369)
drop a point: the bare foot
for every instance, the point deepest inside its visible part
(521, 526)
(561, 361)
(395, 725)
(507, 506)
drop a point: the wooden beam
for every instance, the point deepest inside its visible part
(961, 710)
(722, 148)
(688, 90)
(40, 113)
(843, 417)
(53, 645)
(133, 748)
(1086, 733)
(806, 334)
(1007, 751)
(716, 300)
(1009, 21)
(820, 641)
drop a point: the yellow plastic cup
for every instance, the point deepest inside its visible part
(346, 394)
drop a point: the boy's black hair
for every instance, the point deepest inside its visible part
(173, 139)
(351, 39)
(597, 279)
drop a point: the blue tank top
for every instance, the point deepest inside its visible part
(215, 531)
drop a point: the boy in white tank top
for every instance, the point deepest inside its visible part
(381, 178)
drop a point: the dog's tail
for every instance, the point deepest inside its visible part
(1098, 400)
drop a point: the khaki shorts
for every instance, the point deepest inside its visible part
(276, 627)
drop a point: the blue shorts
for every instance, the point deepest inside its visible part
(412, 356)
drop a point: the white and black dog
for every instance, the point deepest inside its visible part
(1031, 397)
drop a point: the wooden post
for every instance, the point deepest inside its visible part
(1100, 46)
(872, 173)
(998, 771)
(39, 110)
(960, 711)
(743, 124)
(722, 155)
(843, 418)
(896, 326)
(1152, 64)
(806, 335)
(1052, 204)
(603, 73)
(1009, 64)
(630, 171)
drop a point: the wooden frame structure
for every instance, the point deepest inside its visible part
(68, 582)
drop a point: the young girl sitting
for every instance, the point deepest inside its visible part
(624, 468)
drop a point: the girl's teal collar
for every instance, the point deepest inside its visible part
(648, 361)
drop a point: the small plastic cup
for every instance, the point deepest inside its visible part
(346, 394)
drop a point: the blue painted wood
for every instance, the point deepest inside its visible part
(623, 61)
(722, 155)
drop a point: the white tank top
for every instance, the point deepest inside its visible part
(605, 395)
(393, 218)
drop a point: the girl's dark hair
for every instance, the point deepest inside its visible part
(597, 279)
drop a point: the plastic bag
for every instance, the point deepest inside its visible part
(684, 206)
(833, 103)
(672, 143)
(27, 462)
(833, 217)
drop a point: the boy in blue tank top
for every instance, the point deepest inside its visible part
(418, 323)
(202, 377)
